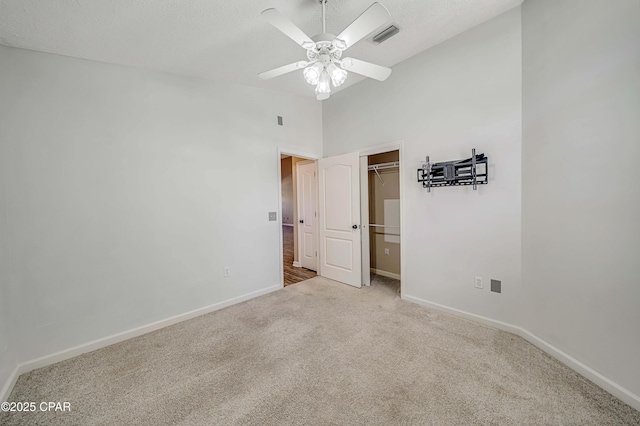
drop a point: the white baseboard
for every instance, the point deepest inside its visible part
(609, 385)
(605, 383)
(296, 264)
(8, 386)
(472, 317)
(288, 224)
(385, 273)
(53, 358)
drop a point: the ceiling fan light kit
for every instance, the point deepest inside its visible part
(312, 73)
(325, 65)
(323, 86)
(338, 76)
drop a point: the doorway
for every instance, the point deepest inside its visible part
(347, 248)
(345, 235)
(298, 188)
(380, 210)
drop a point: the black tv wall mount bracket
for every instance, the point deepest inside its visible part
(470, 171)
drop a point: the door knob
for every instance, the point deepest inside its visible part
(301, 221)
(355, 226)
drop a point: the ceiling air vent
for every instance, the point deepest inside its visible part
(385, 34)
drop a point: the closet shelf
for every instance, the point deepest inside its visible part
(383, 166)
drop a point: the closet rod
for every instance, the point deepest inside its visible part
(383, 226)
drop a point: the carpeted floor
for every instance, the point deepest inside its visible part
(319, 352)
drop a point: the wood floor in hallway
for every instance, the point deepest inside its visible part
(292, 274)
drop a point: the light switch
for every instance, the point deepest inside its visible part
(273, 216)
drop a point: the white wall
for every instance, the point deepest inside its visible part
(581, 181)
(131, 190)
(7, 329)
(464, 93)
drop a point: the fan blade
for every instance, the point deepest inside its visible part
(285, 25)
(367, 69)
(372, 18)
(281, 70)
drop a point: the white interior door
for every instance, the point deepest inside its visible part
(307, 215)
(340, 251)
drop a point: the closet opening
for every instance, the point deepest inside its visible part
(380, 210)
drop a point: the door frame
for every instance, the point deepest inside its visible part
(298, 164)
(365, 243)
(379, 149)
(300, 154)
(366, 151)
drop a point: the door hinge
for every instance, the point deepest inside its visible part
(315, 214)
(314, 174)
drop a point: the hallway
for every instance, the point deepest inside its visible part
(292, 275)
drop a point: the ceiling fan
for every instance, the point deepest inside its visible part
(325, 64)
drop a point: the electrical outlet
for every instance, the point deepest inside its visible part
(479, 283)
(386, 252)
(226, 271)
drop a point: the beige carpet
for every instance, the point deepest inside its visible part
(320, 352)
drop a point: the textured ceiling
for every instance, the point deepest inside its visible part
(226, 40)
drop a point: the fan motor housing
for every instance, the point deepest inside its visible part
(323, 37)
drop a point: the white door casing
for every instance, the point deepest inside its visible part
(364, 220)
(307, 215)
(339, 190)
